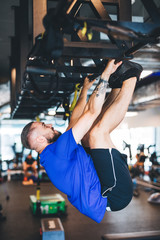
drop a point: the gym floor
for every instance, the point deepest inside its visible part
(21, 224)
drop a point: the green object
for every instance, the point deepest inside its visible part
(49, 204)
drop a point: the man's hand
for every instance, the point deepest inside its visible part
(110, 68)
(87, 83)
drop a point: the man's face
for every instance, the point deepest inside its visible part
(47, 131)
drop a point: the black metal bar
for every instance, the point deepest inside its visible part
(137, 27)
(24, 36)
(125, 11)
(60, 7)
(78, 69)
(130, 51)
(124, 14)
(91, 53)
(90, 45)
(20, 46)
(40, 70)
(13, 65)
(152, 10)
(75, 69)
(38, 201)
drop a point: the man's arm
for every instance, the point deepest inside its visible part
(94, 104)
(81, 103)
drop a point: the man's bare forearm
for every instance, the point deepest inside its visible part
(97, 98)
(82, 100)
(101, 87)
(96, 101)
(81, 103)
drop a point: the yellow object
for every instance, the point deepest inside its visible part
(77, 89)
(84, 29)
(90, 35)
(38, 194)
(130, 167)
(42, 34)
(37, 119)
(84, 32)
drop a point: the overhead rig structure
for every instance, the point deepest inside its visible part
(46, 66)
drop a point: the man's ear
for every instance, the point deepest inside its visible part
(41, 139)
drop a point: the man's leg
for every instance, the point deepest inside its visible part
(34, 167)
(110, 164)
(100, 133)
(109, 100)
(25, 166)
(112, 114)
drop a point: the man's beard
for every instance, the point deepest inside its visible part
(54, 138)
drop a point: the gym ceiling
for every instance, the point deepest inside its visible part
(44, 58)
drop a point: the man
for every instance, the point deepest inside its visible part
(99, 180)
(30, 164)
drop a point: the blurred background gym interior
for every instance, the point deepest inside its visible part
(39, 79)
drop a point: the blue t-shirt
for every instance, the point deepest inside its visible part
(71, 170)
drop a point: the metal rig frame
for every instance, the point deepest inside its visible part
(50, 81)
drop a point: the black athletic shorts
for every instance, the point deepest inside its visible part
(114, 176)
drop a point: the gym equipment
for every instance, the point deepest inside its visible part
(49, 70)
(153, 158)
(151, 185)
(147, 185)
(154, 198)
(76, 95)
(38, 202)
(126, 145)
(52, 229)
(154, 172)
(148, 235)
(48, 204)
(13, 172)
(140, 147)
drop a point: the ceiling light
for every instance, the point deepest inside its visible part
(13, 75)
(51, 112)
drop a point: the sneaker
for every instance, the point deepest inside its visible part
(125, 71)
